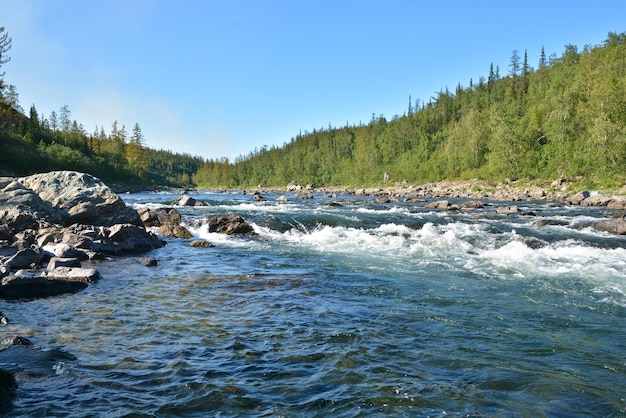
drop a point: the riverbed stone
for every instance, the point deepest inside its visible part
(28, 284)
(167, 221)
(615, 226)
(61, 250)
(132, 239)
(438, 204)
(507, 210)
(186, 200)
(174, 231)
(473, 204)
(230, 225)
(596, 200)
(619, 203)
(578, 197)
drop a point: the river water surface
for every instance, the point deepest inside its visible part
(357, 310)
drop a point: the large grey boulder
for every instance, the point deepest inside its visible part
(439, 204)
(80, 198)
(21, 208)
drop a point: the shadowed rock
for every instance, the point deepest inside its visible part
(167, 221)
(23, 259)
(8, 389)
(26, 284)
(132, 239)
(230, 225)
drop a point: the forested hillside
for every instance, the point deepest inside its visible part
(33, 143)
(564, 119)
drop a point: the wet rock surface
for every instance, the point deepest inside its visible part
(51, 222)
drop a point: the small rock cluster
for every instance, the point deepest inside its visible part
(50, 223)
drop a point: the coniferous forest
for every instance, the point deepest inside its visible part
(565, 117)
(31, 143)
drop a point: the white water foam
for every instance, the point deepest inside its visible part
(457, 246)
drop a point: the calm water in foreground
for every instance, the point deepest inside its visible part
(358, 310)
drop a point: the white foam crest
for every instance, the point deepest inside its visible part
(149, 205)
(612, 293)
(202, 232)
(267, 206)
(390, 210)
(564, 258)
(388, 239)
(444, 242)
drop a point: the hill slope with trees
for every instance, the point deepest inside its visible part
(31, 143)
(564, 119)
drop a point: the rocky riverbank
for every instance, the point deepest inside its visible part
(51, 224)
(470, 195)
(557, 191)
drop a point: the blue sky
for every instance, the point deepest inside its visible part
(221, 78)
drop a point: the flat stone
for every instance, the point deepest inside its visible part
(56, 262)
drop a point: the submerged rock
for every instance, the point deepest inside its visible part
(473, 204)
(200, 243)
(150, 262)
(8, 388)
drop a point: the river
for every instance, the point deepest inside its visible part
(356, 310)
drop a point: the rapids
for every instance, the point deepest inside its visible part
(361, 309)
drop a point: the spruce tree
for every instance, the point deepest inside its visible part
(5, 46)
